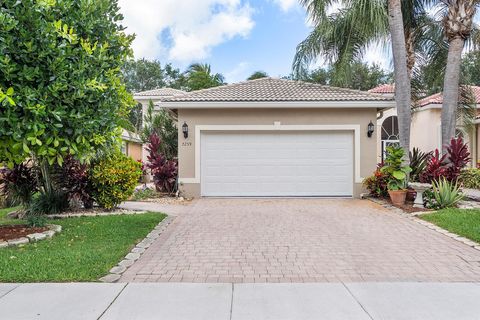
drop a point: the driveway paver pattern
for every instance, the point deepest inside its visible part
(301, 240)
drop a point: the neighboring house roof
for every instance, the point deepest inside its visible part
(160, 93)
(274, 90)
(437, 98)
(383, 88)
(130, 136)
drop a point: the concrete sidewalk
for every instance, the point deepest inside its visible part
(174, 301)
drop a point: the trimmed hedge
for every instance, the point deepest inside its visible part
(470, 178)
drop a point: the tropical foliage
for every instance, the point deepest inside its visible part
(470, 178)
(114, 179)
(377, 184)
(446, 194)
(200, 76)
(395, 169)
(418, 163)
(164, 171)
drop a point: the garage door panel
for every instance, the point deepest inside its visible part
(277, 164)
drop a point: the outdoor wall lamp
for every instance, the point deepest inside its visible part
(185, 130)
(370, 129)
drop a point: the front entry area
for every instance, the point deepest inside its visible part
(277, 163)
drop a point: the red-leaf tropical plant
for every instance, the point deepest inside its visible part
(458, 157)
(76, 181)
(164, 171)
(436, 168)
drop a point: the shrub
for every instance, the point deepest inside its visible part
(377, 183)
(446, 194)
(114, 179)
(53, 202)
(458, 158)
(17, 185)
(164, 171)
(144, 193)
(75, 181)
(470, 178)
(436, 168)
(395, 170)
(418, 163)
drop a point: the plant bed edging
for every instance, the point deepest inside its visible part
(33, 237)
(414, 217)
(116, 272)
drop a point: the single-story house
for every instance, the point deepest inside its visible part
(276, 137)
(425, 131)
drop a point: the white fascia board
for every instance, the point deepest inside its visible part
(278, 104)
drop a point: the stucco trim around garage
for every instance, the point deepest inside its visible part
(276, 127)
(280, 104)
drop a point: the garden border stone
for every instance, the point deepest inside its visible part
(135, 254)
(414, 217)
(33, 237)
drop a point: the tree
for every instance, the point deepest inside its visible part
(61, 90)
(458, 25)
(258, 75)
(471, 68)
(141, 75)
(403, 95)
(361, 76)
(174, 78)
(199, 76)
(342, 38)
(160, 123)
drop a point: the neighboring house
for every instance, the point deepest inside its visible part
(276, 137)
(426, 124)
(132, 145)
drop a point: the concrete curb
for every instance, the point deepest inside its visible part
(116, 272)
(414, 217)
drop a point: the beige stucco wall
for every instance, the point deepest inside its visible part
(134, 150)
(425, 132)
(194, 117)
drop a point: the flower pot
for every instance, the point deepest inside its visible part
(398, 196)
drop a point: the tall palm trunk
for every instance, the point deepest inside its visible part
(403, 92)
(458, 25)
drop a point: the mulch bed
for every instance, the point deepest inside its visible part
(18, 231)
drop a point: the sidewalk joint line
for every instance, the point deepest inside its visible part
(355, 298)
(113, 301)
(3, 295)
(231, 302)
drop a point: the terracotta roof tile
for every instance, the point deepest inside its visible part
(271, 89)
(437, 98)
(161, 92)
(383, 88)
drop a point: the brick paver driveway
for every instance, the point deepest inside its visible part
(301, 240)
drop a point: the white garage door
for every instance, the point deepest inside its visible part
(255, 164)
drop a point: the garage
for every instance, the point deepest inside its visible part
(277, 164)
(276, 138)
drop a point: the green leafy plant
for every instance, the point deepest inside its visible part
(53, 202)
(446, 194)
(418, 163)
(377, 184)
(395, 169)
(18, 184)
(144, 193)
(470, 178)
(114, 179)
(61, 89)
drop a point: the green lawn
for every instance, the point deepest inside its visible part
(463, 222)
(3, 216)
(85, 250)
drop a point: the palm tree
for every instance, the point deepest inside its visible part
(458, 26)
(199, 76)
(403, 94)
(342, 38)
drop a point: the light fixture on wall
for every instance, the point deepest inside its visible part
(370, 129)
(185, 130)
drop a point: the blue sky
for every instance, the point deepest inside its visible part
(237, 37)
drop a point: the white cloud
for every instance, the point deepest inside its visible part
(193, 27)
(286, 5)
(238, 73)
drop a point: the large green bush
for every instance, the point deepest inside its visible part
(470, 178)
(114, 179)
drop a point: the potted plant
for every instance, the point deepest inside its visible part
(398, 175)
